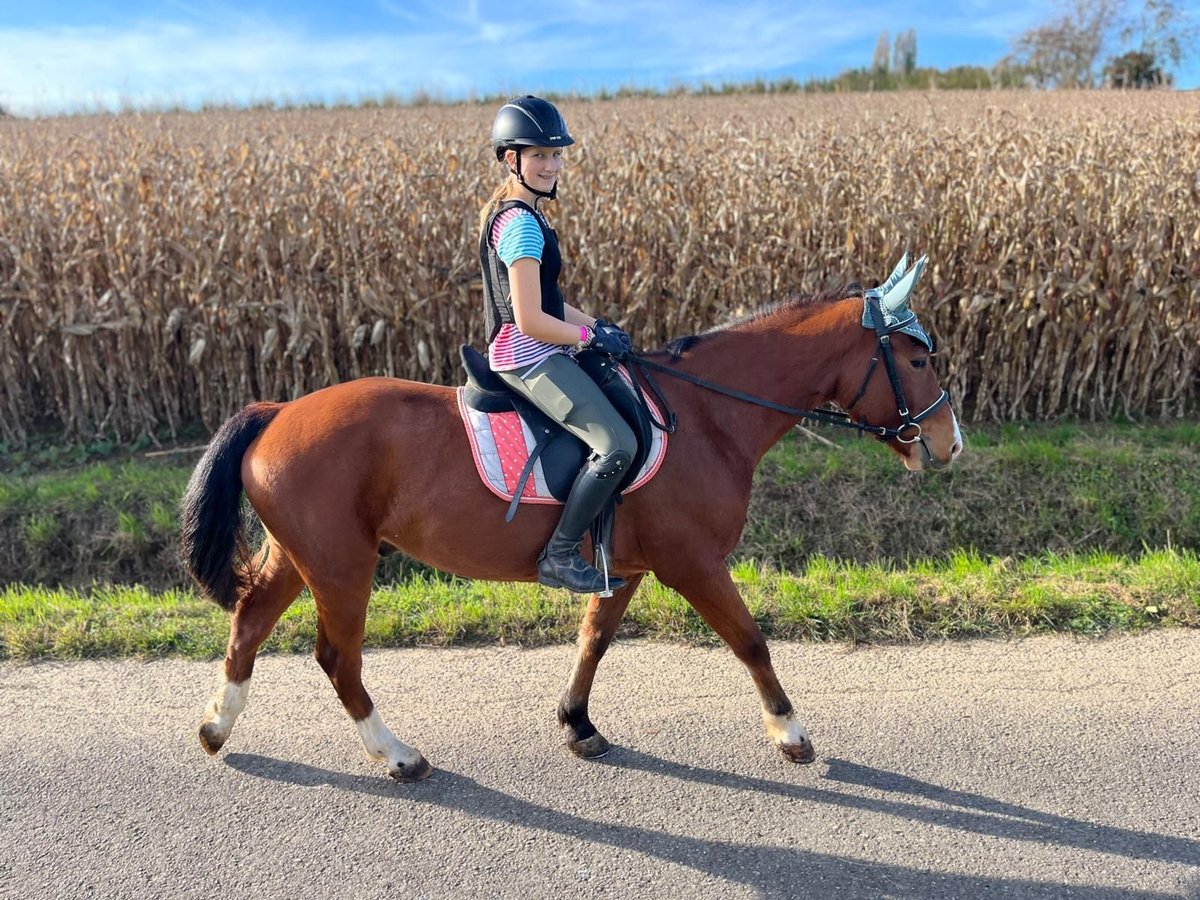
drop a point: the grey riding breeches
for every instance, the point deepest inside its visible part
(564, 392)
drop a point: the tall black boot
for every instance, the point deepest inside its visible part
(561, 564)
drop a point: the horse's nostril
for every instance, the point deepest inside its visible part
(956, 449)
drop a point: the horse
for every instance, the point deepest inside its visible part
(342, 473)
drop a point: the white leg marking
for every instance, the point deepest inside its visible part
(380, 743)
(224, 708)
(785, 729)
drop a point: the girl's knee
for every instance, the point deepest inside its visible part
(625, 439)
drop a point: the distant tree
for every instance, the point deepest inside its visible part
(1135, 69)
(904, 56)
(5, 114)
(882, 53)
(974, 78)
(1011, 73)
(1064, 51)
(1162, 30)
(1045, 53)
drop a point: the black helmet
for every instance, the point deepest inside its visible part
(529, 121)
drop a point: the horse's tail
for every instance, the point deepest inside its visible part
(212, 543)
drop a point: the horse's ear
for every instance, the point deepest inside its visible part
(897, 274)
(892, 297)
(894, 293)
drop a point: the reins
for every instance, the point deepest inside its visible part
(828, 417)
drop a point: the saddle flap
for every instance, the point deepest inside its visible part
(607, 374)
(563, 454)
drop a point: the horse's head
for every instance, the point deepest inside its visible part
(898, 388)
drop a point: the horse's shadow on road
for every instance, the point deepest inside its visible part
(781, 871)
(969, 812)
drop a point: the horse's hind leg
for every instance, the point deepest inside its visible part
(276, 584)
(596, 632)
(714, 596)
(341, 619)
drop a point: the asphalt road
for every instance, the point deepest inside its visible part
(1048, 768)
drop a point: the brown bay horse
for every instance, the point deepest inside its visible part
(336, 474)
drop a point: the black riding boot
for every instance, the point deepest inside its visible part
(560, 564)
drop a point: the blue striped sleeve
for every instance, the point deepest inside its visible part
(520, 238)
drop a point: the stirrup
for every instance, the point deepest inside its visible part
(602, 557)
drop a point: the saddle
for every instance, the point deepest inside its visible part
(520, 432)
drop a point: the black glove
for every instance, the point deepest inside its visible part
(610, 339)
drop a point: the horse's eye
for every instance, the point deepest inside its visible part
(918, 363)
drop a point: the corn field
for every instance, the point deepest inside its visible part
(161, 271)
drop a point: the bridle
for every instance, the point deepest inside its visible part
(883, 333)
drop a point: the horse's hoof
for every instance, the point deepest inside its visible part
(407, 774)
(590, 747)
(802, 752)
(210, 740)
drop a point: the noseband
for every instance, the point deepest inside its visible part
(843, 420)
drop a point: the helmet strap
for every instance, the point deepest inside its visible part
(549, 195)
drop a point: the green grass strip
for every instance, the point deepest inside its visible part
(962, 595)
(1018, 491)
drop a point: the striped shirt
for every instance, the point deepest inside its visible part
(517, 235)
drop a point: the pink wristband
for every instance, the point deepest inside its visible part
(583, 334)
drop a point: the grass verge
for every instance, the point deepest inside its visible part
(964, 594)
(1017, 491)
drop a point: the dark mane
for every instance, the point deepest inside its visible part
(676, 347)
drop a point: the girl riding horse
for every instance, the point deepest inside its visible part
(337, 474)
(533, 334)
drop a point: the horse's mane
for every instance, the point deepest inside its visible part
(676, 347)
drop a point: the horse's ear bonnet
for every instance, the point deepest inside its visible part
(893, 297)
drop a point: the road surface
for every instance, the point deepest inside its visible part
(1049, 768)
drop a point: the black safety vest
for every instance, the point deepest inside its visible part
(497, 295)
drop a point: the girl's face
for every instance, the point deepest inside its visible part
(539, 165)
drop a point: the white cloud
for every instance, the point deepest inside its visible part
(66, 69)
(209, 52)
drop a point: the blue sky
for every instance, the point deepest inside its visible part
(80, 55)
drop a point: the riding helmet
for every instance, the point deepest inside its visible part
(529, 121)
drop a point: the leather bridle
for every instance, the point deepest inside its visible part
(883, 333)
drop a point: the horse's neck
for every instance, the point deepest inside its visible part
(794, 362)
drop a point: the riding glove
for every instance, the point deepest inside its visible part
(611, 339)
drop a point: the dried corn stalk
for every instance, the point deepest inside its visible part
(159, 271)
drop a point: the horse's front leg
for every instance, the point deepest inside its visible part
(596, 632)
(711, 592)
